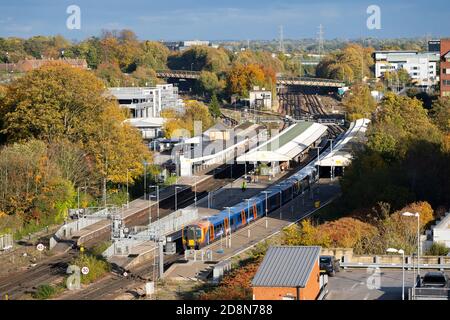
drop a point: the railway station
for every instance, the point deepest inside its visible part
(290, 145)
(341, 154)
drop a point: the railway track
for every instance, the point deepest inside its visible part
(25, 282)
(113, 285)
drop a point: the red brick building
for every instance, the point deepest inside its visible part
(289, 273)
(445, 67)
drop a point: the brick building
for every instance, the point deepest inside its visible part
(289, 273)
(445, 67)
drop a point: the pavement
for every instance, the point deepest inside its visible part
(249, 236)
(364, 284)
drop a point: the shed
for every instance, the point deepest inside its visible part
(288, 273)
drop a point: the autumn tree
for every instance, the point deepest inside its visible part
(358, 102)
(350, 64)
(210, 83)
(200, 58)
(242, 78)
(58, 102)
(182, 124)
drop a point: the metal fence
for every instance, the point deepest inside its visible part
(429, 294)
(170, 223)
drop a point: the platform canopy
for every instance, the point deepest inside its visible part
(287, 145)
(342, 153)
(263, 156)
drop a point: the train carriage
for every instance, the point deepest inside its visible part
(203, 232)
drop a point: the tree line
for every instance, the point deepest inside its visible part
(60, 131)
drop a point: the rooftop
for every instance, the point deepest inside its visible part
(287, 266)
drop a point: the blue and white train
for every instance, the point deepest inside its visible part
(203, 232)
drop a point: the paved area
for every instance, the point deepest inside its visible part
(363, 284)
(257, 231)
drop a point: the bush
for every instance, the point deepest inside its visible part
(437, 249)
(45, 291)
(97, 267)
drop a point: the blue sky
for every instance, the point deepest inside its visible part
(231, 19)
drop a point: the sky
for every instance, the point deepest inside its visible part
(226, 20)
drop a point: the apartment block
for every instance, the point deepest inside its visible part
(445, 67)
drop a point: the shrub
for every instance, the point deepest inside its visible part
(97, 267)
(437, 249)
(45, 291)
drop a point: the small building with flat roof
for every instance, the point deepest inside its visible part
(289, 273)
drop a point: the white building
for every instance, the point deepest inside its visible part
(421, 66)
(145, 105)
(260, 99)
(441, 231)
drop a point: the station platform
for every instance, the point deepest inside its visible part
(247, 237)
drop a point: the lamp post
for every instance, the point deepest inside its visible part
(417, 215)
(267, 209)
(331, 168)
(145, 180)
(248, 215)
(229, 222)
(402, 252)
(195, 192)
(128, 194)
(318, 165)
(176, 199)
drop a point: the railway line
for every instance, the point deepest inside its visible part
(113, 285)
(25, 282)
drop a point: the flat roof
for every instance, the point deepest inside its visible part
(287, 266)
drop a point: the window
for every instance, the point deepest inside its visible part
(446, 82)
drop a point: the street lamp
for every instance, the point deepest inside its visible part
(195, 192)
(417, 215)
(248, 215)
(331, 168)
(145, 180)
(157, 200)
(128, 194)
(318, 164)
(267, 209)
(402, 252)
(176, 200)
(229, 222)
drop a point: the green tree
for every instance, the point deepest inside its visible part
(358, 102)
(214, 108)
(209, 83)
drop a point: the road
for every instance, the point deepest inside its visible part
(363, 284)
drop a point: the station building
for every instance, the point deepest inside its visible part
(145, 105)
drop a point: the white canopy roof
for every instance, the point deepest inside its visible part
(341, 156)
(287, 144)
(263, 156)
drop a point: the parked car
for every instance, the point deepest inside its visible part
(435, 279)
(329, 265)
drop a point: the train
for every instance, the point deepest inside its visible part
(203, 232)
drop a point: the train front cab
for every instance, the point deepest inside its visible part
(196, 236)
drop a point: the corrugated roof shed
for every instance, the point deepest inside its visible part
(286, 266)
